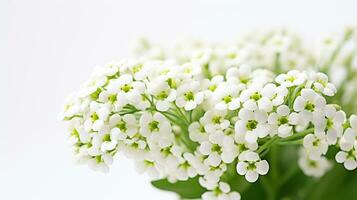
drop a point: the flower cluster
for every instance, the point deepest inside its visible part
(200, 109)
(177, 121)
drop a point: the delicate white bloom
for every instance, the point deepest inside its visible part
(252, 124)
(292, 78)
(280, 121)
(241, 74)
(253, 98)
(189, 95)
(308, 102)
(251, 166)
(313, 167)
(157, 128)
(128, 91)
(315, 145)
(319, 82)
(226, 96)
(163, 94)
(329, 121)
(214, 121)
(197, 132)
(348, 145)
(173, 110)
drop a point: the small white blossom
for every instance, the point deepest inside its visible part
(252, 124)
(292, 78)
(189, 95)
(313, 167)
(251, 166)
(280, 122)
(315, 145)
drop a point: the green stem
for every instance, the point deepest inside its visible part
(298, 135)
(268, 144)
(294, 142)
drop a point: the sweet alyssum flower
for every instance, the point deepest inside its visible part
(211, 115)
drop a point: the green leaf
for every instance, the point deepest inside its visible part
(189, 189)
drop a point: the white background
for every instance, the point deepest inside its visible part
(47, 48)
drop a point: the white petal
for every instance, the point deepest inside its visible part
(262, 167)
(350, 164)
(251, 176)
(242, 168)
(341, 156)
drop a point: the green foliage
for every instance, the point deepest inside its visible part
(189, 189)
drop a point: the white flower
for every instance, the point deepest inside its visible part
(349, 138)
(276, 94)
(315, 145)
(124, 126)
(251, 166)
(241, 74)
(252, 124)
(183, 171)
(292, 78)
(280, 122)
(196, 160)
(253, 99)
(148, 165)
(319, 82)
(128, 91)
(98, 114)
(157, 128)
(212, 84)
(226, 96)
(220, 144)
(348, 145)
(163, 94)
(214, 120)
(222, 191)
(308, 102)
(330, 121)
(348, 157)
(313, 167)
(197, 132)
(189, 95)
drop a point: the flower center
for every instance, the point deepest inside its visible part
(126, 88)
(252, 124)
(329, 123)
(112, 98)
(162, 95)
(291, 78)
(106, 138)
(94, 117)
(241, 147)
(216, 148)
(283, 120)
(227, 99)
(216, 119)
(122, 126)
(310, 106)
(154, 126)
(251, 166)
(312, 163)
(212, 87)
(256, 96)
(189, 96)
